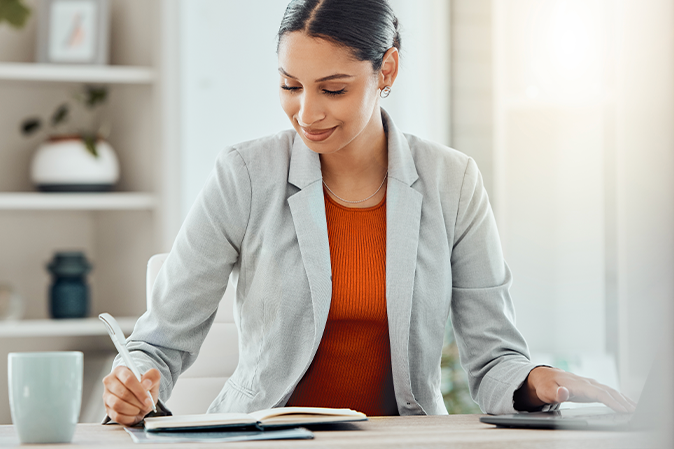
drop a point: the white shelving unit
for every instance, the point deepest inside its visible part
(61, 328)
(77, 201)
(13, 71)
(117, 231)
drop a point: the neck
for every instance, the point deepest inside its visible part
(363, 160)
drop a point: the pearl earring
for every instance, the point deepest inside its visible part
(385, 92)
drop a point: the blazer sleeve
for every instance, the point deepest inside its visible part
(492, 350)
(194, 277)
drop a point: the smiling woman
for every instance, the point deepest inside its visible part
(331, 98)
(335, 58)
(352, 244)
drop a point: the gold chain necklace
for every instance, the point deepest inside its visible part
(359, 201)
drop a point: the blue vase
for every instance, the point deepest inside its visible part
(69, 293)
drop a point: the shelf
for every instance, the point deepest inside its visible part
(76, 201)
(104, 74)
(61, 328)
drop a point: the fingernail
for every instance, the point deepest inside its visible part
(147, 383)
(148, 402)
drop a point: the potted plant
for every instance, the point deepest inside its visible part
(75, 157)
(14, 12)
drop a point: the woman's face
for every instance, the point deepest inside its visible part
(330, 97)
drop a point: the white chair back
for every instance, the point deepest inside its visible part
(200, 384)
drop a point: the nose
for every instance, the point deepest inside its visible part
(311, 110)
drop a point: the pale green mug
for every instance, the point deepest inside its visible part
(45, 395)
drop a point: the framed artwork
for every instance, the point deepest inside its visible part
(73, 31)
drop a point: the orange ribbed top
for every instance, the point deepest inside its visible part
(352, 367)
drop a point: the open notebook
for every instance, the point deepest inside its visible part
(262, 419)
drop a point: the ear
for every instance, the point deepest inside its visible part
(389, 68)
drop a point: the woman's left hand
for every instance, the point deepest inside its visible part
(546, 385)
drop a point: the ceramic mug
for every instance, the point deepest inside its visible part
(45, 395)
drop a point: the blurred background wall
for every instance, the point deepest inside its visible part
(583, 159)
(568, 108)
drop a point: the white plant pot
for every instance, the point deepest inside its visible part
(65, 165)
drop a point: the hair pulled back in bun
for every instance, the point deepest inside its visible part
(367, 27)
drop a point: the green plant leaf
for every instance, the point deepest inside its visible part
(30, 125)
(60, 115)
(90, 143)
(454, 380)
(95, 95)
(14, 12)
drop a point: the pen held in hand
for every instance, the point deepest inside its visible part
(118, 339)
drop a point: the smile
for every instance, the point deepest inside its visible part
(318, 135)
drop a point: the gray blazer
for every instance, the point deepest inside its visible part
(261, 217)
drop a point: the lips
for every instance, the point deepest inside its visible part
(318, 135)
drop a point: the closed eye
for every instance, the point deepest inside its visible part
(334, 92)
(325, 91)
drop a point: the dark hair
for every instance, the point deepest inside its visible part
(367, 27)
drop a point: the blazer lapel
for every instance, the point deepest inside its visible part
(403, 217)
(308, 211)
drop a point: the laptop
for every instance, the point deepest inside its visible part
(647, 414)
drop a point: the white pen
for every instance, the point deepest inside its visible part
(118, 339)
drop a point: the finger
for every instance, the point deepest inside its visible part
(619, 399)
(605, 397)
(136, 419)
(628, 405)
(118, 417)
(150, 381)
(119, 405)
(128, 379)
(547, 392)
(629, 400)
(124, 420)
(562, 394)
(116, 387)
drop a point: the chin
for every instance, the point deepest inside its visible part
(328, 146)
(321, 148)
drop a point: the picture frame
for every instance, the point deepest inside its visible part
(73, 31)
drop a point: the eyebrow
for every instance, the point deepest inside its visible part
(325, 78)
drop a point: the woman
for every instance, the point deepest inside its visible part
(352, 243)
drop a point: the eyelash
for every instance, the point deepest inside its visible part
(332, 93)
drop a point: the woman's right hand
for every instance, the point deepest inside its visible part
(125, 398)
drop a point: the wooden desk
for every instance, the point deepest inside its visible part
(455, 431)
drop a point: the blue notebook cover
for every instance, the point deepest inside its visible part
(139, 435)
